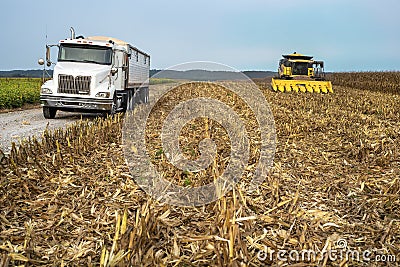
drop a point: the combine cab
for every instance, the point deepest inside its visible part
(300, 73)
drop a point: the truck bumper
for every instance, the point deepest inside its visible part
(76, 103)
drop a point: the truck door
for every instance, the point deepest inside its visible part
(125, 70)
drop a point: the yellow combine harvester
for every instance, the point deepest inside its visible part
(300, 73)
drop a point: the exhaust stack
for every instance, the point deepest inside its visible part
(72, 33)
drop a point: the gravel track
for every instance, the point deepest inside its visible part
(17, 125)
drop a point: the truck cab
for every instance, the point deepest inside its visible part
(95, 74)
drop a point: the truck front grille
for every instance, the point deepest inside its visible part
(67, 84)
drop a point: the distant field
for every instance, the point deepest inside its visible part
(388, 82)
(160, 80)
(15, 92)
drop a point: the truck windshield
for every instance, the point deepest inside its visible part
(85, 53)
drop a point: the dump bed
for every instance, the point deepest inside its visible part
(139, 68)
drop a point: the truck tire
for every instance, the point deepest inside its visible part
(130, 102)
(113, 110)
(142, 95)
(49, 112)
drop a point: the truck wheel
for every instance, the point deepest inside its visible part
(113, 107)
(130, 103)
(49, 112)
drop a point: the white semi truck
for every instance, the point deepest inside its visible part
(95, 74)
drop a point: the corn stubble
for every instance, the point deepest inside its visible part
(379, 81)
(70, 199)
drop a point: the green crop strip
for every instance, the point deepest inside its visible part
(15, 92)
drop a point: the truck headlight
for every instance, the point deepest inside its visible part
(103, 94)
(45, 90)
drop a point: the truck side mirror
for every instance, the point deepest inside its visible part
(48, 60)
(114, 70)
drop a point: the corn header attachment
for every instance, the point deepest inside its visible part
(300, 73)
(301, 86)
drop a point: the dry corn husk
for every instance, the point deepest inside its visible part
(70, 199)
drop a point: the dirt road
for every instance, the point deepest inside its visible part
(17, 125)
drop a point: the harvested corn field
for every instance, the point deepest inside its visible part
(335, 184)
(379, 81)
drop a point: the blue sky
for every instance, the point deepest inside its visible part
(247, 35)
